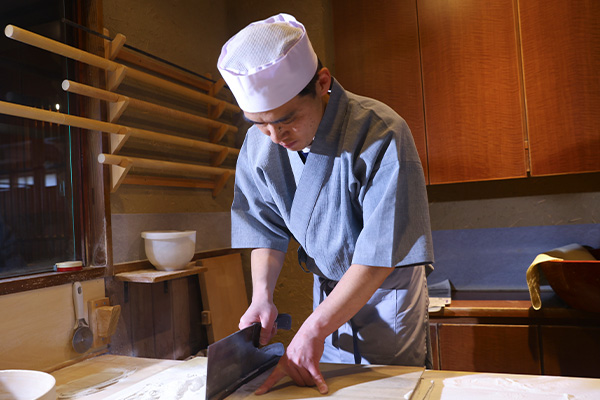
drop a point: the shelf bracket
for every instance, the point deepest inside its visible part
(117, 140)
(216, 87)
(216, 134)
(116, 77)
(116, 109)
(218, 158)
(220, 182)
(216, 111)
(118, 174)
(112, 47)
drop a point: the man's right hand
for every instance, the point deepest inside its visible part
(265, 313)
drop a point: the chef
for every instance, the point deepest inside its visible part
(340, 174)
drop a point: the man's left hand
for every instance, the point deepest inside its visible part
(301, 363)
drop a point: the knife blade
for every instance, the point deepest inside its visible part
(237, 359)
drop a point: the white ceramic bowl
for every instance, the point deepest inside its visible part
(170, 250)
(18, 384)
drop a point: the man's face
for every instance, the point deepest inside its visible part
(292, 125)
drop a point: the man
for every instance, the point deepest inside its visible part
(340, 174)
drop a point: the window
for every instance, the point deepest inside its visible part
(38, 161)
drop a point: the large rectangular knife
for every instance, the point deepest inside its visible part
(237, 359)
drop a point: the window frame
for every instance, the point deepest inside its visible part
(91, 193)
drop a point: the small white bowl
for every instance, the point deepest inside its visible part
(170, 250)
(19, 384)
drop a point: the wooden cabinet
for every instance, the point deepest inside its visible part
(489, 348)
(508, 89)
(571, 350)
(510, 337)
(159, 320)
(471, 88)
(379, 59)
(561, 64)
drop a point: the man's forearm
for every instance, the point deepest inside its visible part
(266, 266)
(350, 294)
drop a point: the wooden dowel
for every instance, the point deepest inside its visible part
(62, 49)
(164, 166)
(170, 182)
(90, 91)
(85, 90)
(149, 64)
(18, 110)
(181, 141)
(74, 53)
(180, 90)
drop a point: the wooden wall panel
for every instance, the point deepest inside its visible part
(471, 89)
(489, 348)
(377, 55)
(37, 326)
(561, 60)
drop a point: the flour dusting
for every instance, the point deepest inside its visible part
(508, 388)
(191, 386)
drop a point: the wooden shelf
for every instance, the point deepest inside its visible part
(154, 275)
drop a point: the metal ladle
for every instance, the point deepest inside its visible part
(83, 336)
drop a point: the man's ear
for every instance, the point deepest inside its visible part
(323, 81)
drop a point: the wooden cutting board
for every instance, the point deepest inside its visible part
(224, 298)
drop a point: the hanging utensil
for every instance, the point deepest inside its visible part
(83, 337)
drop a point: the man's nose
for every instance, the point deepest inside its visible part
(275, 132)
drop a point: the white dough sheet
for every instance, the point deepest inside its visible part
(185, 381)
(509, 387)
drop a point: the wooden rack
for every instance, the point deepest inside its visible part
(202, 91)
(122, 164)
(117, 72)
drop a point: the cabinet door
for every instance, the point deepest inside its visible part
(471, 90)
(377, 55)
(571, 351)
(561, 64)
(489, 348)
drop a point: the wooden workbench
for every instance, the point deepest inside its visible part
(345, 381)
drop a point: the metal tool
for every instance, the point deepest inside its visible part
(83, 336)
(237, 359)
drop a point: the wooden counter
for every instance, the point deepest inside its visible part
(345, 381)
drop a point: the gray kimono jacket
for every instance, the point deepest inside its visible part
(359, 199)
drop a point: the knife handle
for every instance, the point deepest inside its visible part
(284, 321)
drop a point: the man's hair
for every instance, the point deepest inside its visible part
(311, 87)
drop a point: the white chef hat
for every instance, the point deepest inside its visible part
(268, 63)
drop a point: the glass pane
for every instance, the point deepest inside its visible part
(36, 210)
